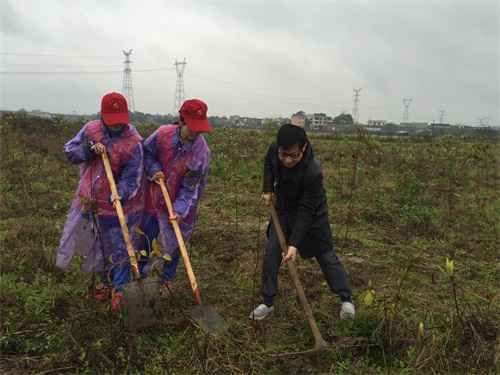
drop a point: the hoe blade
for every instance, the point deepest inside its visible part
(208, 319)
(141, 303)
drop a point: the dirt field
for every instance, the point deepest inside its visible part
(399, 209)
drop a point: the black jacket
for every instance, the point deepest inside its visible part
(300, 201)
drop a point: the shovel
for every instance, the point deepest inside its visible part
(204, 315)
(319, 343)
(140, 297)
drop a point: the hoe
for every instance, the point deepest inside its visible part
(204, 315)
(140, 297)
(319, 343)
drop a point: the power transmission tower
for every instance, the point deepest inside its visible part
(355, 109)
(179, 87)
(406, 111)
(441, 116)
(128, 90)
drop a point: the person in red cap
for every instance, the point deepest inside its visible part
(179, 155)
(92, 229)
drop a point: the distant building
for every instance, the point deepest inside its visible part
(437, 128)
(415, 125)
(373, 130)
(376, 123)
(40, 114)
(318, 121)
(437, 125)
(329, 125)
(244, 122)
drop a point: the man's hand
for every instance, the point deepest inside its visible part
(267, 198)
(290, 255)
(98, 148)
(158, 176)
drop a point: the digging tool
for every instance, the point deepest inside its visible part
(204, 315)
(140, 297)
(319, 343)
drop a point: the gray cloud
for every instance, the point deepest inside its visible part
(11, 22)
(266, 57)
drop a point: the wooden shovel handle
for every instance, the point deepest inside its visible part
(180, 240)
(121, 217)
(318, 339)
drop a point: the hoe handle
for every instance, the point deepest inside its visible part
(319, 343)
(121, 217)
(182, 245)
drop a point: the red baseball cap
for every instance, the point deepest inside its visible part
(114, 109)
(194, 114)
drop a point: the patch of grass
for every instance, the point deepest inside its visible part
(398, 207)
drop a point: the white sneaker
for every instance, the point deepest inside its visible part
(347, 311)
(261, 312)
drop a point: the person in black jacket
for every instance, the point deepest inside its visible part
(293, 180)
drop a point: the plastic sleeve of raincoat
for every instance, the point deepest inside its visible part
(151, 164)
(131, 174)
(190, 192)
(307, 210)
(77, 150)
(268, 179)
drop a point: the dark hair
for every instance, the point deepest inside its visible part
(290, 135)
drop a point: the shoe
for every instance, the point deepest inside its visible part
(116, 300)
(261, 312)
(347, 311)
(99, 292)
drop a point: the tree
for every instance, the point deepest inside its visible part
(270, 125)
(343, 119)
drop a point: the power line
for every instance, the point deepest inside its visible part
(59, 72)
(256, 92)
(268, 92)
(20, 72)
(271, 93)
(154, 70)
(61, 65)
(53, 55)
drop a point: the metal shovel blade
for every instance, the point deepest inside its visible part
(141, 303)
(208, 319)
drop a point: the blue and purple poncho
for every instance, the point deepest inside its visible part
(92, 229)
(186, 167)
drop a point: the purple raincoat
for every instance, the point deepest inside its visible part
(92, 229)
(186, 167)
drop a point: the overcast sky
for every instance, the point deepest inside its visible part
(257, 57)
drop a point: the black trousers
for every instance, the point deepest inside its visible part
(332, 269)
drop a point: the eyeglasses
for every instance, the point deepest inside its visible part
(292, 155)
